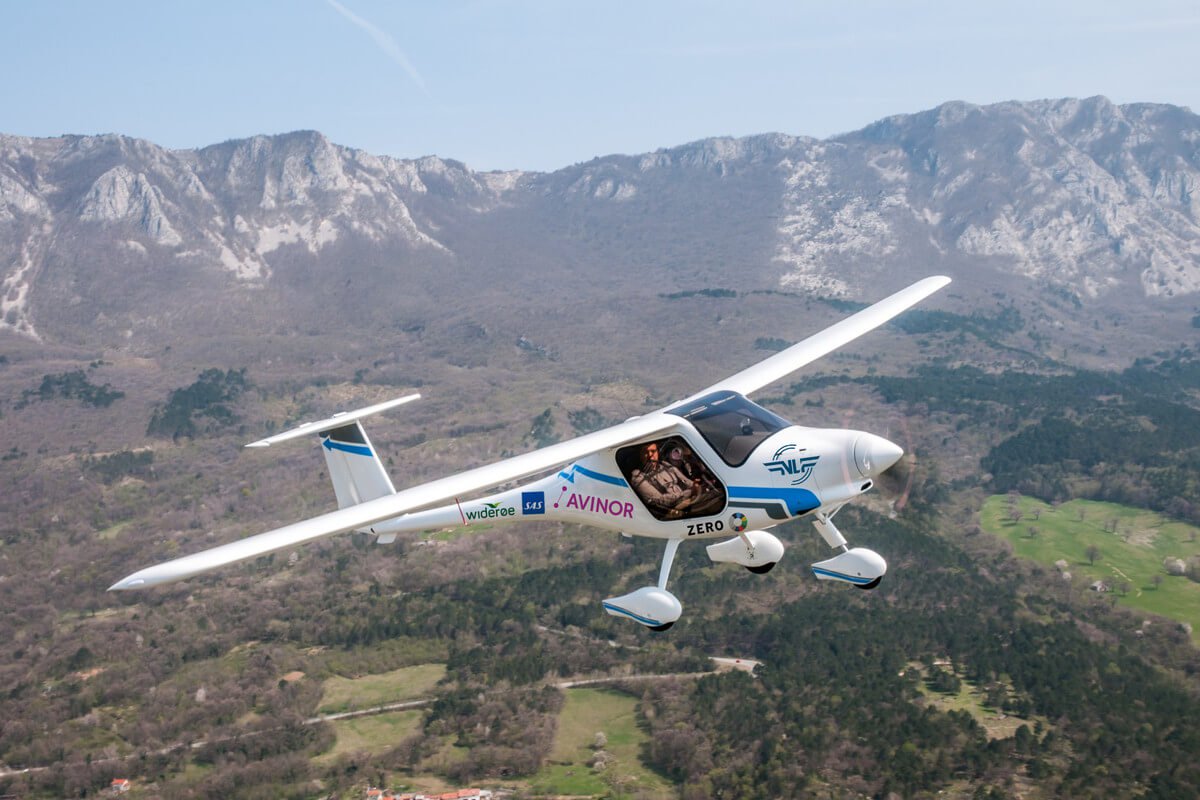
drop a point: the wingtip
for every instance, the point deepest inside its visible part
(127, 583)
(259, 443)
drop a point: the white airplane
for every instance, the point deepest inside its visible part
(712, 466)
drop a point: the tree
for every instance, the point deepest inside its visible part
(1157, 580)
(1092, 553)
(1033, 531)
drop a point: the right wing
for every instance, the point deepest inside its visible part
(402, 502)
(798, 355)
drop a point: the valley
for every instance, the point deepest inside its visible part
(238, 290)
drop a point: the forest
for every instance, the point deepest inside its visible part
(841, 706)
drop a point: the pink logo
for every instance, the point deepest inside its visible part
(596, 505)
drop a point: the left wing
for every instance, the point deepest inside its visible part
(402, 502)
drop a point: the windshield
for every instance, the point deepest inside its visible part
(731, 424)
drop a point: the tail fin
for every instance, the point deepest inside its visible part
(354, 467)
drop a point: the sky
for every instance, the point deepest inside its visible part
(543, 84)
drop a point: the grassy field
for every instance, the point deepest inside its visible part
(586, 712)
(406, 683)
(970, 699)
(1132, 555)
(114, 531)
(373, 734)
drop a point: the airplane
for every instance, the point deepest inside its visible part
(711, 466)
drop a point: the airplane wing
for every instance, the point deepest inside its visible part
(404, 501)
(793, 358)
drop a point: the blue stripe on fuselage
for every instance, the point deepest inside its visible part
(798, 501)
(569, 475)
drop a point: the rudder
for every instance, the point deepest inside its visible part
(354, 466)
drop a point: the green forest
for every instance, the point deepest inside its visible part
(859, 693)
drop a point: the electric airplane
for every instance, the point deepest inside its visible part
(711, 466)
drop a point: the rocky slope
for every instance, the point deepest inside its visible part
(115, 242)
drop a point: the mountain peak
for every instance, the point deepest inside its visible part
(1082, 197)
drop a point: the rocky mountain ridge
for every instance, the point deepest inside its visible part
(1082, 198)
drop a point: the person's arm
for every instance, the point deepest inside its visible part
(649, 491)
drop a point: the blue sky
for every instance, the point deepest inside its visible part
(535, 84)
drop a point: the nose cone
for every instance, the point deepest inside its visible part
(874, 454)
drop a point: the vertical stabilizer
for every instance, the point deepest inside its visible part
(354, 466)
(358, 475)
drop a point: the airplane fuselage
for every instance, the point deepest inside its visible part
(682, 485)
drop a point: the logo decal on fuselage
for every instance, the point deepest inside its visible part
(533, 503)
(800, 468)
(490, 511)
(595, 505)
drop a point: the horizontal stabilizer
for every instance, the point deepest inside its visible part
(336, 421)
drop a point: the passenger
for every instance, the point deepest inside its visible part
(682, 458)
(712, 496)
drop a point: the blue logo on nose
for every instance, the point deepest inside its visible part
(533, 503)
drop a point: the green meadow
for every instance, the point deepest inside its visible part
(373, 734)
(407, 683)
(971, 699)
(585, 713)
(1131, 544)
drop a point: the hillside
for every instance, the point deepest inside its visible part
(162, 308)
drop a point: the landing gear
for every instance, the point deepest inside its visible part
(757, 551)
(651, 606)
(859, 566)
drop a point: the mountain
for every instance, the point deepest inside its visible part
(1081, 208)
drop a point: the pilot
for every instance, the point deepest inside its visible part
(662, 484)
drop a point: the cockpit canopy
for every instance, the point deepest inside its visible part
(732, 425)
